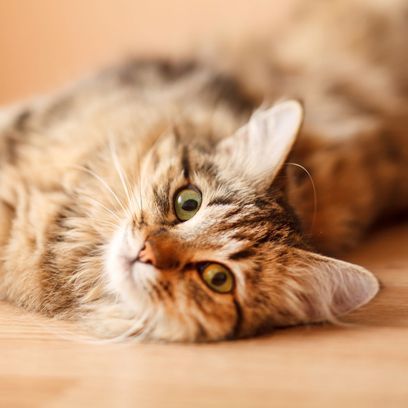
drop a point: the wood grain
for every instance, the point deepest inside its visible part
(362, 365)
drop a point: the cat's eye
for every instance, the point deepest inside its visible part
(187, 202)
(217, 277)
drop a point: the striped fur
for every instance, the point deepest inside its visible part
(87, 175)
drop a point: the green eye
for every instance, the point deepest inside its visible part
(217, 277)
(187, 202)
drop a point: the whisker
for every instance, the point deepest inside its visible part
(122, 175)
(135, 330)
(104, 207)
(314, 193)
(104, 183)
(66, 333)
(158, 139)
(140, 182)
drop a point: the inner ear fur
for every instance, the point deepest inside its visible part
(258, 150)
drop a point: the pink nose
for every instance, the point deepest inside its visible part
(161, 251)
(146, 254)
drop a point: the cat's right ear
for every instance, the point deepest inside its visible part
(259, 149)
(327, 287)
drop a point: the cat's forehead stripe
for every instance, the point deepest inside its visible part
(185, 163)
(221, 200)
(242, 254)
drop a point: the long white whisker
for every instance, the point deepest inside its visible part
(104, 207)
(104, 183)
(134, 330)
(122, 176)
(139, 175)
(131, 194)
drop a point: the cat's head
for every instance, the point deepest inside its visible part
(208, 248)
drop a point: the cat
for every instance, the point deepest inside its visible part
(193, 199)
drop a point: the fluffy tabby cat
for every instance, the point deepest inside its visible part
(168, 199)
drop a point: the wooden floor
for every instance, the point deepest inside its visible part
(361, 366)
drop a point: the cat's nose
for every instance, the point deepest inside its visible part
(161, 253)
(146, 254)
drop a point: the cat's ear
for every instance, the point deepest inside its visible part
(329, 287)
(259, 149)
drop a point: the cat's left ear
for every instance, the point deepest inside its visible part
(259, 149)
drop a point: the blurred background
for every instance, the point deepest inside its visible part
(47, 43)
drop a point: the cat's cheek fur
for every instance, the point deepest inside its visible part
(118, 272)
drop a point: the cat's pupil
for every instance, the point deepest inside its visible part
(219, 279)
(190, 205)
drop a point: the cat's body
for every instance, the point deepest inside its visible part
(89, 182)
